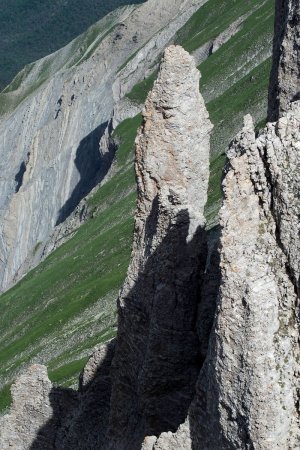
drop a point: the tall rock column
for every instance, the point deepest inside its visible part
(285, 76)
(157, 356)
(247, 392)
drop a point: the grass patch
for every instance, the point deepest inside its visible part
(34, 28)
(86, 272)
(140, 91)
(5, 397)
(214, 17)
(63, 374)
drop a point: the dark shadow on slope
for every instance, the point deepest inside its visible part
(210, 290)
(92, 167)
(158, 354)
(206, 318)
(62, 401)
(20, 175)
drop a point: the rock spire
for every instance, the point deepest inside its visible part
(248, 389)
(157, 355)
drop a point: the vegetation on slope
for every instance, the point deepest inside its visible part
(31, 29)
(234, 79)
(66, 306)
(33, 75)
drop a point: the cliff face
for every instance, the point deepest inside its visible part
(93, 260)
(177, 380)
(247, 391)
(157, 358)
(285, 76)
(57, 130)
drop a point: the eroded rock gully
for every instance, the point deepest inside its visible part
(180, 376)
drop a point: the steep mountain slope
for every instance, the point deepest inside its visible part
(59, 162)
(32, 29)
(207, 351)
(72, 283)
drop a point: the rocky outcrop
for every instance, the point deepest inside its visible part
(285, 76)
(159, 301)
(181, 376)
(43, 416)
(157, 355)
(35, 404)
(247, 391)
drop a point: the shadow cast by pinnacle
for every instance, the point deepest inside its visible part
(92, 167)
(147, 385)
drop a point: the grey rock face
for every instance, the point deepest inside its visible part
(247, 390)
(49, 145)
(285, 77)
(157, 355)
(151, 396)
(85, 425)
(31, 409)
(46, 417)
(170, 441)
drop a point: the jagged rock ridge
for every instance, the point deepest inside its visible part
(169, 257)
(247, 392)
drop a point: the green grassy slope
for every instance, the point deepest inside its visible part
(64, 307)
(33, 75)
(31, 29)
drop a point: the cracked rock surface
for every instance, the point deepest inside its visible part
(285, 76)
(247, 390)
(157, 354)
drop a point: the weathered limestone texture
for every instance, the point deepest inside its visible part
(46, 417)
(247, 390)
(285, 76)
(31, 409)
(157, 354)
(180, 440)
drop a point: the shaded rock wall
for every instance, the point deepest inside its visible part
(170, 385)
(285, 76)
(35, 404)
(157, 355)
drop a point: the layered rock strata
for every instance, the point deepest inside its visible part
(157, 355)
(285, 76)
(247, 392)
